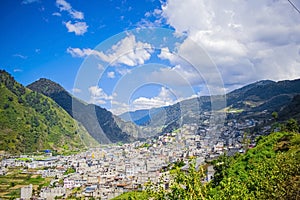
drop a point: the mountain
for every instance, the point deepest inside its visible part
(257, 99)
(264, 95)
(291, 110)
(139, 117)
(100, 123)
(30, 121)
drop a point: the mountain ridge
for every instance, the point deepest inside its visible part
(249, 100)
(98, 121)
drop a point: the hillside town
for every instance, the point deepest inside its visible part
(111, 170)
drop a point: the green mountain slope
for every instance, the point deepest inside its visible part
(292, 110)
(100, 123)
(268, 171)
(30, 121)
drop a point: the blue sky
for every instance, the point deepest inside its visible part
(128, 55)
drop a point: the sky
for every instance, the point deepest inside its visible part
(127, 55)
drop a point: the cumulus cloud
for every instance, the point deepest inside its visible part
(165, 54)
(98, 96)
(248, 40)
(79, 28)
(127, 51)
(164, 98)
(178, 75)
(119, 107)
(65, 6)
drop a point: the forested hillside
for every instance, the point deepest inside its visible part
(30, 121)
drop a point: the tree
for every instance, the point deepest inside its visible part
(292, 125)
(184, 185)
(275, 115)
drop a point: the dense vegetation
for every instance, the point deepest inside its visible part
(271, 170)
(268, 171)
(292, 110)
(30, 121)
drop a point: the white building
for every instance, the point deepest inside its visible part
(51, 193)
(26, 192)
(69, 183)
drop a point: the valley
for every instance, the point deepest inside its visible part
(107, 161)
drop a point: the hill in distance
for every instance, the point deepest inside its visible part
(249, 101)
(30, 121)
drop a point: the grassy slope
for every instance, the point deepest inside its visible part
(30, 121)
(271, 170)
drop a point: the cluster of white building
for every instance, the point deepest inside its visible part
(109, 171)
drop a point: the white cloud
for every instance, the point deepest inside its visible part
(76, 52)
(119, 107)
(98, 96)
(152, 19)
(76, 90)
(56, 14)
(30, 1)
(123, 71)
(165, 54)
(178, 75)
(20, 56)
(65, 6)
(164, 98)
(128, 51)
(100, 66)
(111, 74)
(79, 28)
(248, 40)
(18, 70)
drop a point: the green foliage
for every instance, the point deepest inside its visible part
(30, 121)
(184, 184)
(292, 125)
(178, 164)
(134, 195)
(70, 170)
(275, 115)
(145, 145)
(268, 171)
